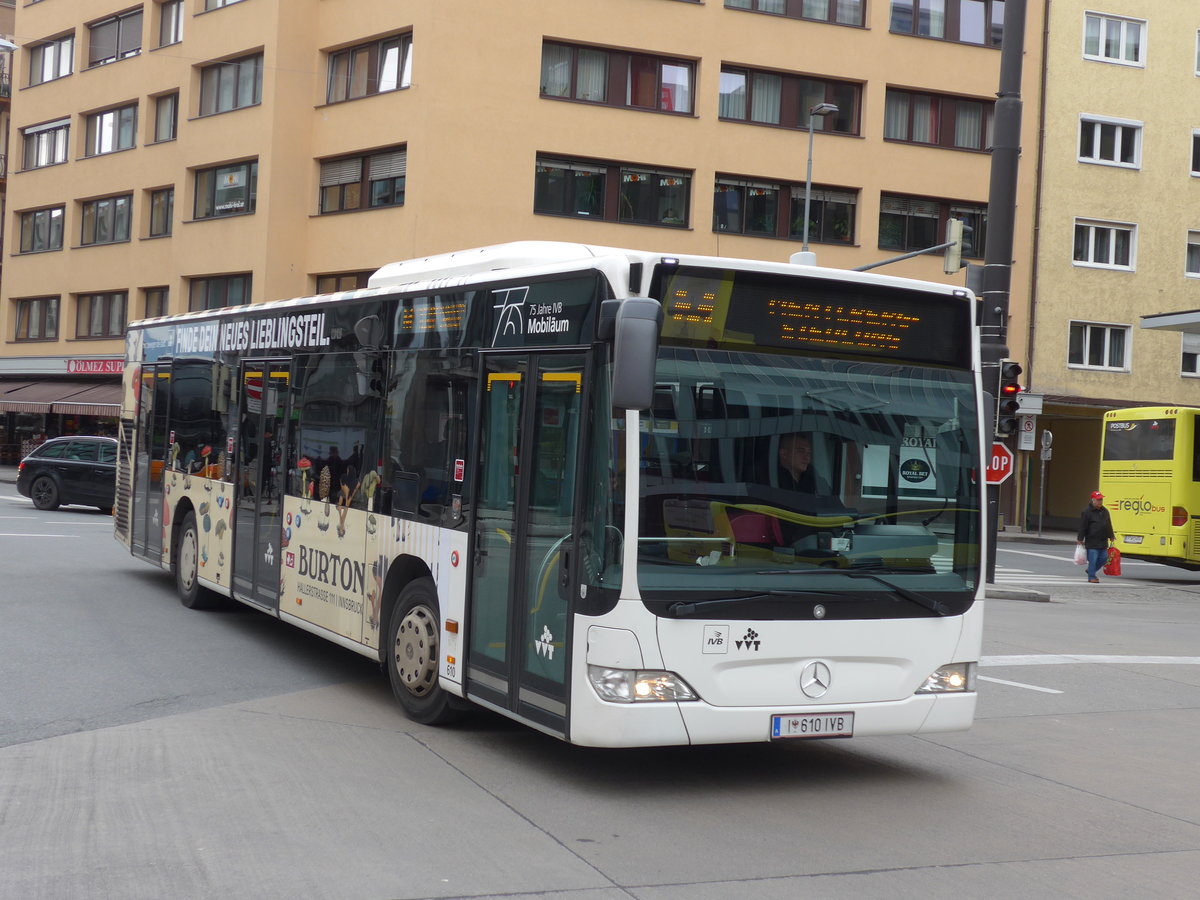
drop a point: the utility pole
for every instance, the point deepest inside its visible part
(1002, 210)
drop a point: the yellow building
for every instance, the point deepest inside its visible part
(180, 154)
(1118, 228)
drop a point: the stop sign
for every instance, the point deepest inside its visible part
(999, 464)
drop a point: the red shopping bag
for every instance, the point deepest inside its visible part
(1113, 566)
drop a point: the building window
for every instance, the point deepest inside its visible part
(1113, 39)
(217, 4)
(567, 188)
(170, 22)
(840, 12)
(1098, 346)
(363, 182)
(101, 315)
(1192, 266)
(345, 281)
(943, 121)
(166, 117)
(115, 38)
(106, 221)
(51, 60)
(1114, 142)
(772, 98)
(231, 85)
(46, 145)
(219, 291)
(1190, 363)
(162, 204)
(373, 68)
(37, 319)
(612, 192)
(974, 219)
(156, 302)
(226, 190)
(777, 210)
(617, 78)
(965, 21)
(111, 130)
(1104, 244)
(916, 223)
(42, 229)
(1196, 152)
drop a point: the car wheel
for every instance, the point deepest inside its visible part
(413, 656)
(44, 493)
(186, 562)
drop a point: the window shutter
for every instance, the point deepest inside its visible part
(388, 165)
(341, 171)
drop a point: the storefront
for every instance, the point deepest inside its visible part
(33, 410)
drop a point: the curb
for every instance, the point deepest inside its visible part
(995, 593)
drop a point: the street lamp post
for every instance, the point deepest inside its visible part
(822, 110)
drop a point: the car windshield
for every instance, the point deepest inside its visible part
(756, 468)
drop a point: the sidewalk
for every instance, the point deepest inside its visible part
(8, 474)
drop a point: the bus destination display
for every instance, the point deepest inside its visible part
(741, 309)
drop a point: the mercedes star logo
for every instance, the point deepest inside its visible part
(815, 680)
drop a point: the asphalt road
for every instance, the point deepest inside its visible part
(148, 751)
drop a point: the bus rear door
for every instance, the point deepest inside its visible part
(259, 475)
(518, 623)
(149, 459)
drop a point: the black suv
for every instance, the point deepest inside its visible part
(77, 469)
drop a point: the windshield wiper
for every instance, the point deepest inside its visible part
(930, 603)
(686, 608)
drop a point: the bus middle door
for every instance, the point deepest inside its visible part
(519, 616)
(259, 475)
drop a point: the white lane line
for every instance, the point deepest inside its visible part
(1058, 659)
(1029, 687)
(23, 534)
(1067, 557)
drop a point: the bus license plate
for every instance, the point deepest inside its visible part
(818, 725)
(1133, 538)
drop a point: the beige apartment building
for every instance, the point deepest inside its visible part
(1118, 228)
(183, 154)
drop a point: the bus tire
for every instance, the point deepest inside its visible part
(413, 655)
(186, 563)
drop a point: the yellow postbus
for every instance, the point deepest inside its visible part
(1150, 478)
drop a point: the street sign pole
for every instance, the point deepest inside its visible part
(1047, 440)
(1000, 465)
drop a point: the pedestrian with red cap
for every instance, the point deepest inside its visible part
(1095, 534)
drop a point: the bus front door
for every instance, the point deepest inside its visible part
(259, 476)
(149, 459)
(519, 619)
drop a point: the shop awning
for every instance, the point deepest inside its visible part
(81, 398)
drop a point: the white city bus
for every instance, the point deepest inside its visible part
(546, 479)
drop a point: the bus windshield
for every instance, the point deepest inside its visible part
(757, 469)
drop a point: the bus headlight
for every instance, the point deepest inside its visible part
(638, 685)
(950, 679)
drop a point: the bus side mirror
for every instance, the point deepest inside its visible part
(635, 350)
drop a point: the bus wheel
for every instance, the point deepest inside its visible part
(186, 562)
(413, 655)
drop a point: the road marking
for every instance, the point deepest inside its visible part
(23, 534)
(1058, 659)
(1069, 557)
(1031, 687)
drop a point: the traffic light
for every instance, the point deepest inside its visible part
(1008, 393)
(954, 237)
